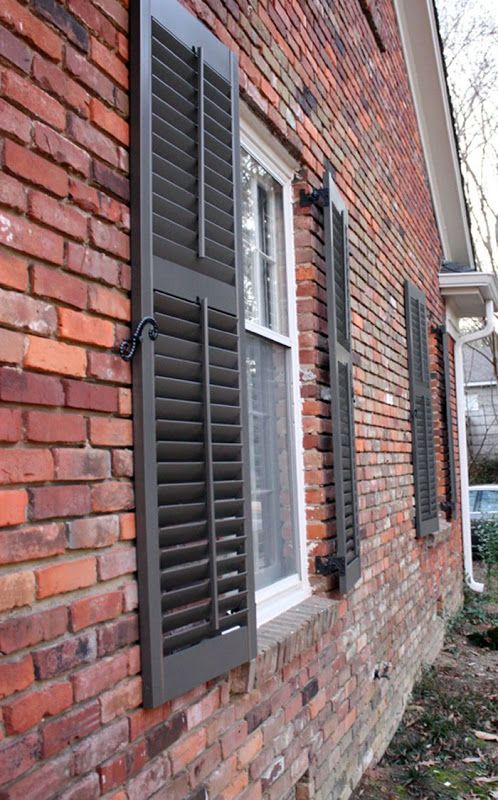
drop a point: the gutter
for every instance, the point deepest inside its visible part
(486, 330)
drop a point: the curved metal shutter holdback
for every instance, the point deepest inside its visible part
(128, 347)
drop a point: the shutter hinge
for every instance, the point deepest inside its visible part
(128, 346)
(318, 197)
(327, 565)
(448, 506)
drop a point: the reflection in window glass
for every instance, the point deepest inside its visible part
(489, 502)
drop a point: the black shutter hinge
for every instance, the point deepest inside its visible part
(128, 347)
(318, 197)
(439, 329)
(327, 565)
(448, 506)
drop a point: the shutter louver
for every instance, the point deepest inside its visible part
(195, 562)
(424, 460)
(341, 386)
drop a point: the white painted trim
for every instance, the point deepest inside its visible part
(423, 58)
(270, 154)
(479, 384)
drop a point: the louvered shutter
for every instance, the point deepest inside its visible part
(195, 564)
(424, 461)
(341, 386)
(450, 505)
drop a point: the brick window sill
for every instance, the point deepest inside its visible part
(284, 638)
(442, 535)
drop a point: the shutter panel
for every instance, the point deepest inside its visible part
(424, 460)
(195, 561)
(341, 386)
(450, 449)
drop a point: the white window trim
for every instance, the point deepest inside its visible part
(282, 595)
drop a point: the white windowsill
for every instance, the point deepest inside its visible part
(279, 597)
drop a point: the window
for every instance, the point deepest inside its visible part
(489, 501)
(272, 372)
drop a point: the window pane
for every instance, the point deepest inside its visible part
(489, 502)
(270, 434)
(472, 500)
(265, 289)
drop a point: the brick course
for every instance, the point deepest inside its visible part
(308, 716)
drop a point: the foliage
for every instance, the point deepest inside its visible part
(485, 471)
(486, 531)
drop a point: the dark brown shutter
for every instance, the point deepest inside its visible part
(195, 563)
(450, 504)
(424, 461)
(341, 386)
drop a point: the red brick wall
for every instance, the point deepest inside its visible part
(70, 690)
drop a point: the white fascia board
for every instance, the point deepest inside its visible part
(423, 58)
(466, 293)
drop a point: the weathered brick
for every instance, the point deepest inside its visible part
(163, 736)
(34, 100)
(25, 387)
(23, 235)
(26, 466)
(92, 264)
(58, 215)
(78, 464)
(111, 180)
(93, 532)
(15, 51)
(10, 425)
(13, 193)
(109, 302)
(54, 79)
(182, 753)
(96, 608)
(100, 746)
(22, 713)
(117, 562)
(13, 507)
(110, 239)
(13, 270)
(65, 577)
(98, 677)
(64, 21)
(68, 654)
(66, 730)
(11, 348)
(82, 789)
(60, 501)
(121, 699)
(92, 396)
(31, 28)
(122, 464)
(27, 544)
(150, 780)
(112, 496)
(127, 527)
(14, 122)
(108, 62)
(59, 285)
(16, 675)
(108, 367)
(22, 311)
(62, 150)
(44, 782)
(18, 757)
(94, 20)
(112, 432)
(80, 68)
(85, 328)
(53, 356)
(93, 140)
(109, 121)
(19, 632)
(42, 426)
(33, 168)
(114, 635)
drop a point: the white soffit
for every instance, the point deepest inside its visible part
(466, 293)
(419, 37)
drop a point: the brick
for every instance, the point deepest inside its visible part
(92, 264)
(13, 270)
(65, 577)
(23, 387)
(109, 121)
(58, 215)
(99, 677)
(10, 425)
(17, 589)
(43, 782)
(122, 464)
(59, 285)
(233, 738)
(64, 21)
(109, 367)
(13, 507)
(121, 699)
(96, 608)
(108, 62)
(100, 746)
(83, 789)
(78, 464)
(19, 757)
(182, 753)
(112, 496)
(33, 168)
(52, 356)
(114, 635)
(94, 20)
(43, 426)
(110, 239)
(22, 311)
(53, 79)
(59, 658)
(93, 532)
(130, 596)
(109, 302)
(92, 396)
(85, 328)
(67, 729)
(11, 348)
(14, 122)
(26, 466)
(113, 773)
(60, 501)
(34, 100)
(61, 150)
(84, 196)
(15, 50)
(150, 780)
(31, 28)
(22, 235)
(111, 180)
(166, 734)
(27, 544)
(80, 68)
(23, 713)
(111, 432)
(117, 562)
(12, 193)
(91, 139)
(19, 632)
(16, 676)
(127, 527)
(124, 402)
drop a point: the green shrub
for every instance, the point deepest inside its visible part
(486, 531)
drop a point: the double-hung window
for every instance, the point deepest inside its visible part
(271, 347)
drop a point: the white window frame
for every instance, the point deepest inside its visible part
(283, 594)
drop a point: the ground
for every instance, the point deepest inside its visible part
(446, 747)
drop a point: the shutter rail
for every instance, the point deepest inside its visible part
(201, 166)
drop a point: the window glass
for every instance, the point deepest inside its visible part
(472, 500)
(265, 289)
(489, 501)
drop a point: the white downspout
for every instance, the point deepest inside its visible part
(462, 340)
